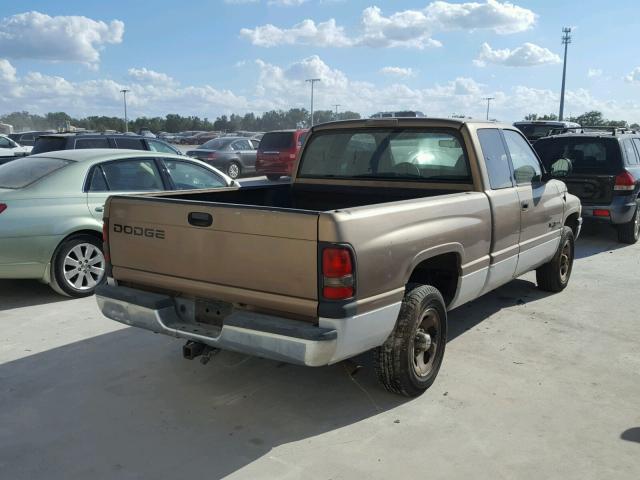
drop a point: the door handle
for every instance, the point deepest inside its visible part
(200, 219)
(100, 209)
(525, 206)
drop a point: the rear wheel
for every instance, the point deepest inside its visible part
(273, 177)
(409, 361)
(234, 170)
(630, 232)
(79, 266)
(554, 275)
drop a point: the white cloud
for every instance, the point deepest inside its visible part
(526, 55)
(284, 87)
(287, 3)
(634, 76)
(397, 71)
(307, 32)
(407, 28)
(144, 75)
(594, 72)
(7, 71)
(35, 35)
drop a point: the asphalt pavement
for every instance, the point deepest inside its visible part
(533, 386)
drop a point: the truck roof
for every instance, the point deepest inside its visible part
(410, 122)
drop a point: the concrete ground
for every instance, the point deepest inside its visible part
(533, 386)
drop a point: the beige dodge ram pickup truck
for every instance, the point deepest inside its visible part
(386, 225)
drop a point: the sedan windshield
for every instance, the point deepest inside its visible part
(25, 171)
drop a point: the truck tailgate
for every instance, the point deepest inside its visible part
(270, 252)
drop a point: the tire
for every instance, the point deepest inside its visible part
(78, 266)
(554, 275)
(630, 232)
(422, 323)
(233, 170)
(273, 177)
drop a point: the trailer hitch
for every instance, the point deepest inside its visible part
(191, 350)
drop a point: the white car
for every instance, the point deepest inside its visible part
(10, 149)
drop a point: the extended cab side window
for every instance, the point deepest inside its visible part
(495, 157)
(526, 166)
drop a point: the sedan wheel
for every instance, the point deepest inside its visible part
(233, 170)
(79, 266)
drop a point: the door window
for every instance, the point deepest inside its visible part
(130, 143)
(632, 157)
(159, 147)
(92, 143)
(5, 143)
(241, 145)
(526, 167)
(495, 158)
(637, 142)
(97, 183)
(187, 175)
(132, 175)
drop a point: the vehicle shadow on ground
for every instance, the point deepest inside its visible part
(631, 435)
(597, 238)
(26, 293)
(125, 404)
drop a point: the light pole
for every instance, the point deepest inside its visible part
(488, 99)
(312, 81)
(124, 96)
(566, 40)
(337, 105)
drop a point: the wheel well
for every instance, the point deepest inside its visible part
(93, 233)
(441, 272)
(572, 223)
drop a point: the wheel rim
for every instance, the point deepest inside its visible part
(426, 343)
(83, 267)
(636, 225)
(565, 261)
(233, 170)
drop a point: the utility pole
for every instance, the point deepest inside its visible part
(488, 99)
(312, 81)
(124, 96)
(337, 105)
(566, 40)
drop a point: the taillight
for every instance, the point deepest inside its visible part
(625, 182)
(337, 273)
(212, 156)
(601, 213)
(3, 207)
(105, 240)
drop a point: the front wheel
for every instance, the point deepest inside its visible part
(630, 232)
(78, 266)
(554, 275)
(409, 361)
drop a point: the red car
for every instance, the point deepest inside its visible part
(277, 152)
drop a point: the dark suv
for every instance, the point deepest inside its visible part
(605, 174)
(73, 141)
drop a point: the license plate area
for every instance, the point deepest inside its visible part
(212, 312)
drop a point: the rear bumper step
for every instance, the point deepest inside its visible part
(245, 332)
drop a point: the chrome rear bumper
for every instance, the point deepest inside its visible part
(246, 332)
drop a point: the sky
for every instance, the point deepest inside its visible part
(209, 58)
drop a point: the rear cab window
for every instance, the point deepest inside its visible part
(26, 171)
(49, 144)
(588, 155)
(401, 154)
(130, 143)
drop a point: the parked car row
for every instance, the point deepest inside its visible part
(52, 203)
